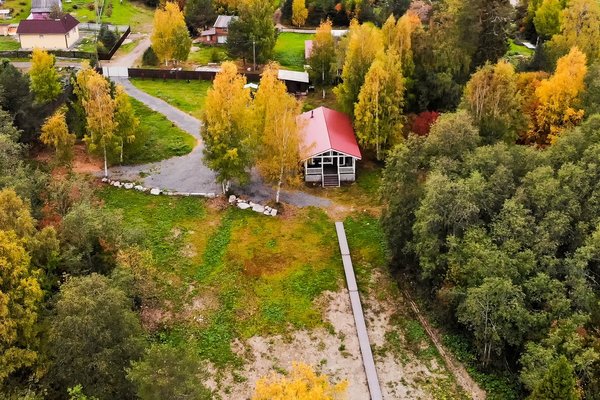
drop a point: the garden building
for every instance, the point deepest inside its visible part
(49, 34)
(330, 147)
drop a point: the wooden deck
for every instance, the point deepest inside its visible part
(359, 319)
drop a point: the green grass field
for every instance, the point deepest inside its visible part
(289, 50)
(208, 54)
(132, 13)
(162, 139)
(253, 275)
(188, 97)
(8, 43)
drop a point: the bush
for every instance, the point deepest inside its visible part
(107, 37)
(149, 57)
(109, 10)
(216, 55)
(91, 6)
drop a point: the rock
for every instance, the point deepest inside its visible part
(267, 208)
(104, 180)
(171, 194)
(139, 188)
(155, 191)
(197, 194)
(252, 204)
(243, 206)
(258, 208)
(116, 184)
(128, 186)
(267, 212)
(273, 212)
(186, 194)
(211, 195)
(232, 199)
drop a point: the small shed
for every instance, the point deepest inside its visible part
(219, 31)
(295, 81)
(330, 143)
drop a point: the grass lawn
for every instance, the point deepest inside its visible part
(255, 275)
(207, 54)
(518, 49)
(8, 43)
(163, 139)
(128, 12)
(188, 97)
(289, 50)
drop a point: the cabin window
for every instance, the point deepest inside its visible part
(346, 162)
(327, 160)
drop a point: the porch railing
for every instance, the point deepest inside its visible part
(313, 171)
(345, 170)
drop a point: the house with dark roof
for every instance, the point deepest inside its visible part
(40, 9)
(219, 31)
(329, 146)
(50, 34)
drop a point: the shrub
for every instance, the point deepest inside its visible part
(149, 57)
(107, 37)
(215, 55)
(91, 6)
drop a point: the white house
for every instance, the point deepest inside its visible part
(50, 34)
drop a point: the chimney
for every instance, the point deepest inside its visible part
(312, 113)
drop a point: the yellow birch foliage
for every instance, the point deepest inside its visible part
(363, 43)
(44, 79)
(398, 36)
(299, 12)
(558, 97)
(170, 37)
(277, 130)
(580, 26)
(20, 291)
(55, 133)
(125, 119)
(227, 128)
(378, 113)
(301, 384)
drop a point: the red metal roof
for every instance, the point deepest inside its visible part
(326, 129)
(47, 26)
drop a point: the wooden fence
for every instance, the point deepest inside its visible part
(184, 75)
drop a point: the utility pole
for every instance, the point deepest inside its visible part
(254, 53)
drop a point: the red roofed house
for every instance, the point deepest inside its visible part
(51, 34)
(219, 31)
(332, 150)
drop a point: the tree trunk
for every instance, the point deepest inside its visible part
(105, 162)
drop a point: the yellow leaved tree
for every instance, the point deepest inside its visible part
(299, 12)
(55, 133)
(558, 97)
(303, 383)
(170, 36)
(278, 134)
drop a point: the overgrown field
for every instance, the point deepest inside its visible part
(187, 96)
(289, 50)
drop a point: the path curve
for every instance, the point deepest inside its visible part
(189, 173)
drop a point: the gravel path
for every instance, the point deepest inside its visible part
(188, 173)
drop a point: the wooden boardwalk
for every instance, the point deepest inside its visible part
(359, 319)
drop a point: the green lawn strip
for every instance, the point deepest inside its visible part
(159, 138)
(515, 48)
(187, 96)
(9, 43)
(289, 50)
(207, 54)
(132, 13)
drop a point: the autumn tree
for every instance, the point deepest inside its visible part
(125, 119)
(20, 295)
(580, 27)
(547, 18)
(44, 79)
(302, 383)
(378, 114)
(93, 92)
(55, 133)
(170, 37)
(277, 131)
(322, 58)
(398, 36)
(226, 131)
(558, 97)
(493, 99)
(299, 12)
(364, 42)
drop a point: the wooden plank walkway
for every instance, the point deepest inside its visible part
(359, 319)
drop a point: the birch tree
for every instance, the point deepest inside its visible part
(55, 133)
(277, 131)
(170, 37)
(44, 79)
(299, 12)
(125, 119)
(93, 91)
(322, 60)
(226, 131)
(378, 113)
